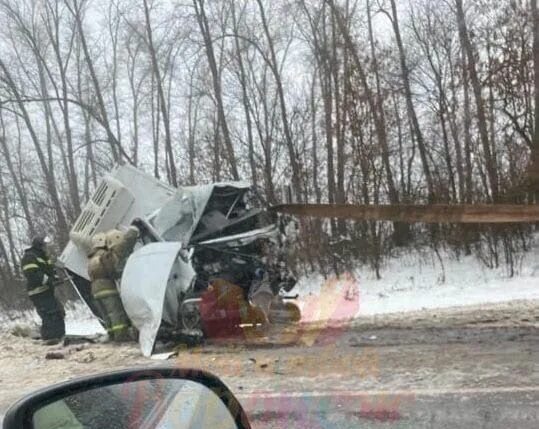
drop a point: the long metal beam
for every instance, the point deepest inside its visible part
(409, 213)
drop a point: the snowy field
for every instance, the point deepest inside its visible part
(411, 282)
(415, 281)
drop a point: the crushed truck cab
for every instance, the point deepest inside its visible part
(187, 234)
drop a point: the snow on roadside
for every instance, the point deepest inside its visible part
(417, 281)
(79, 320)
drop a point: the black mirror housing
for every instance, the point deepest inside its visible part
(20, 415)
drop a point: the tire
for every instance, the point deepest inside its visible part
(190, 317)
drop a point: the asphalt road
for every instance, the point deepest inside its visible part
(476, 369)
(472, 408)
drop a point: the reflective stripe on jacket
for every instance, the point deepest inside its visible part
(38, 270)
(38, 290)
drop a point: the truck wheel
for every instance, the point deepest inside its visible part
(190, 317)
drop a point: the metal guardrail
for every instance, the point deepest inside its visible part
(409, 213)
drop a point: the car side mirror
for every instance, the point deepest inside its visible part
(156, 397)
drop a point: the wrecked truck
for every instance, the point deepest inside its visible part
(207, 260)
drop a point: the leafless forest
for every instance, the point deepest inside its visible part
(346, 101)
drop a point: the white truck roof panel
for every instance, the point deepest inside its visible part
(122, 195)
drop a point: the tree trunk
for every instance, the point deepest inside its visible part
(534, 172)
(5, 269)
(64, 106)
(326, 85)
(4, 193)
(191, 131)
(90, 165)
(455, 133)
(114, 27)
(115, 145)
(135, 89)
(296, 174)
(405, 72)
(467, 127)
(492, 172)
(340, 111)
(377, 108)
(216, 80)
(171, 165)
(314, 139)
(49, 178)
(245, 98)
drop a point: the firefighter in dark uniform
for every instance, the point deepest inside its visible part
(40, 276)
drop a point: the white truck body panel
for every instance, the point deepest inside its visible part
(152, 281)
(123, 195)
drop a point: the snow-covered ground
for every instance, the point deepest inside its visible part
(416, 281)
(79, 320)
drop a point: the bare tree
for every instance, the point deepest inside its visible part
(405, 74)
(75, 7)
(242, 76)
(535, 148)
(171, 165)
(491, 167)
(47, 172)
(217, 89)
(302, 91)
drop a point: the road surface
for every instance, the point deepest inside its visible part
(467, 408)
(475, 368)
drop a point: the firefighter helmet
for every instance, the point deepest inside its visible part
(40, 241)
(114, 237)
(99, 241)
